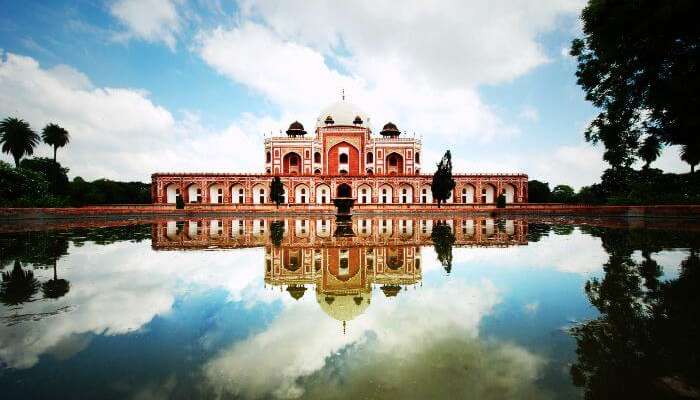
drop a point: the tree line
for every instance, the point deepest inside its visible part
(638, 64)
(43, 182)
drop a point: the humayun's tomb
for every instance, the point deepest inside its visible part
(341, 158)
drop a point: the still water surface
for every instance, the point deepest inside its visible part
(410, 308)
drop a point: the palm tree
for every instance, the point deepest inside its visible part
(650, 150)
(55, 288)
(55, 136)
(17, 138)
(18, 286)
(691, 155)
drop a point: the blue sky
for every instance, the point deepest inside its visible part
(177, 85)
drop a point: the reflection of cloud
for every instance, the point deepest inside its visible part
(395, 332)
(532, 307)
(120, 287)
(668, 260)
(448, 366)
(575, 253)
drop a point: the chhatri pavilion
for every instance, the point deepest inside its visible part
(341, 157)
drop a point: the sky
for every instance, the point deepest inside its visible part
(148, 86)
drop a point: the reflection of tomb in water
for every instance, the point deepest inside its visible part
(380, 253)
(255, 232)
(239, 232)
(343, 276)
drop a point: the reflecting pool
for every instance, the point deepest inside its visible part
(307, 307)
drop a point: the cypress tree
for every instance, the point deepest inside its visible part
(443, 184)
(276, 191)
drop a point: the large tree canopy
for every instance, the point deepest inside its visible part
(638, 63)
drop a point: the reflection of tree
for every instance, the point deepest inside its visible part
(36, 248)
(535, 231)
(443, 240)
(276, 232)
(40, 248)
(563, 229)
(644, 344)
(55, 288)
(18, 286)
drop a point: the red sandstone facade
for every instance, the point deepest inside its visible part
(342, 152)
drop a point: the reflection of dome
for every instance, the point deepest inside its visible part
(390, 129)
(391, 290)
(342, 113)
(296, 291)
(344, 307)
(296, 129)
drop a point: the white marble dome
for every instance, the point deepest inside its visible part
(343, 113)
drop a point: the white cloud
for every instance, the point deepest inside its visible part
(297, 78)
(529, 113)
(575, 166)
(417, 65)
(150, 20)
(120, 133)
(453, 43)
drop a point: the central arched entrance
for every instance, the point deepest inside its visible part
(394, 164)
(343, 159)
(344, 190)
(291, 163)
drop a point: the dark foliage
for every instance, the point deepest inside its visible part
(643, 345)
(18, 286)
(276, 232)
(276, 191)
(563, 194)
(538, 192)
(17, 138)
(638, 63)
(501, 201)
(443, 184)
(105, 191)
(41, 182)
(53, 172)
(443, 240)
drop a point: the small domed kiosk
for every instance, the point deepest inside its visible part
(390, 130)
(296, 129)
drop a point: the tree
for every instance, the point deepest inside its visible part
(443, 240)
(21, 187)
(17, 138)
(691, 155)
(443, 184)
(650, 150)
(52, 171)
(18, 286)
(638, 63)
(563, 194)
(276, 191)
(538, 192)
(55, 136)
(55, 288)
(501, 201)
